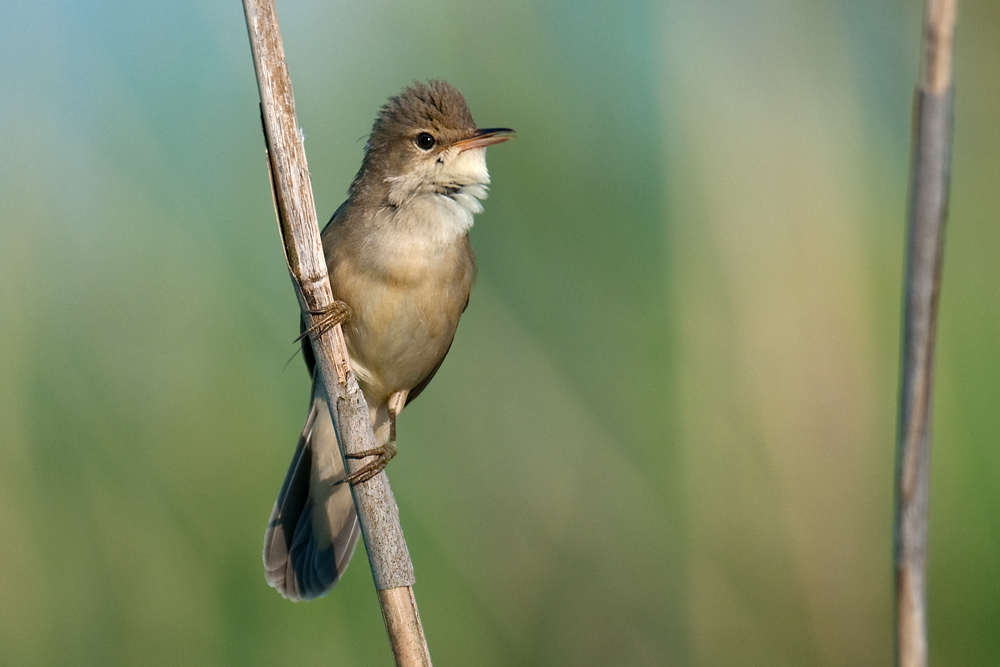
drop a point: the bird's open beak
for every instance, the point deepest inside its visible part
(485, 137)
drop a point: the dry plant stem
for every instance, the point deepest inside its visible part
(932, 125)
(378, 515)
(404, 628)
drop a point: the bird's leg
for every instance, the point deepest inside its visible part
(384, 453)
(396, 402)
(329, 317)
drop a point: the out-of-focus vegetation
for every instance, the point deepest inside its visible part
(664, 434)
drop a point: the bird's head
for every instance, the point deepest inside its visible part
(424, 141)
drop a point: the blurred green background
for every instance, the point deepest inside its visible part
(664, 435)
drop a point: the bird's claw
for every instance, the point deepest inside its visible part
(382, 456)
(327, 318)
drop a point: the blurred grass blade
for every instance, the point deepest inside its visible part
(927, 213)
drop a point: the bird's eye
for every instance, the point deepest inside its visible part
(425, 141)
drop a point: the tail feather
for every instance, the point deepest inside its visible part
(314, 528)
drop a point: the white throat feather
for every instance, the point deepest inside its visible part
(439, 199)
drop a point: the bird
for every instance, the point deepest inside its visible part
(400, 260)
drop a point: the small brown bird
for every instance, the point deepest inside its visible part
(398, 254)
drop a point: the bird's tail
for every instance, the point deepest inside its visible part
(314, 527)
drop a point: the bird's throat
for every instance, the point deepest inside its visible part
(439, 218)
(436, 201)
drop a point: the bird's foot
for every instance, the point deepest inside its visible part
(382, 456)
(327, 318)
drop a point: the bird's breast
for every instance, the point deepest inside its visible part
(406, 291)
